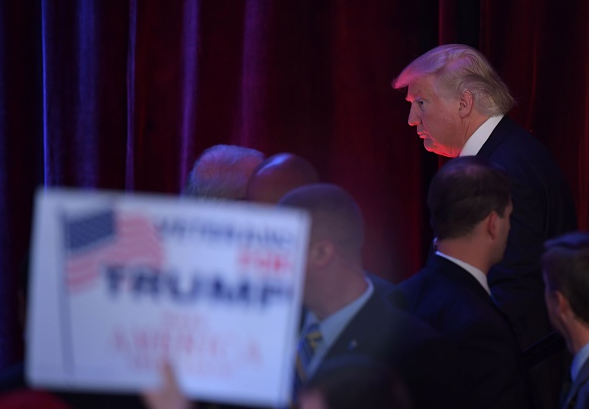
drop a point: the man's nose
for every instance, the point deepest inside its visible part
(413, 119)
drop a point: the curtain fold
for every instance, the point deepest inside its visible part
(21, 156)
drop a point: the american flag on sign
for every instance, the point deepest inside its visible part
(106, 238)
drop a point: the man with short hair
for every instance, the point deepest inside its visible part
(566, 276)
(459, 106)
(222, 172)
(280, 173)
(349, 317)
(469, 202)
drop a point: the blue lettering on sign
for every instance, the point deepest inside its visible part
(154, 284)
(225, 233)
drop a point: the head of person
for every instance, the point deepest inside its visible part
(452, 90)
(565, 268)
(277, 175)
(470, 193)
(336, 238)
(222, 172)
(354, 381)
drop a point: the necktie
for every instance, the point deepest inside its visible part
(306, 348)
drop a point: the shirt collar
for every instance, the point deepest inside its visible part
(579, 361)
(475, 272)
(474, 144)
(333, 325)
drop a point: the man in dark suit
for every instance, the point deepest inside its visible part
(469, 203)
(566, 275)
(354, 320)
(351, 317)
(458, 105)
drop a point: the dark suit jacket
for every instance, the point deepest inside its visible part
(381, 286)
(454, 303)
(422, 358)
(542, 208)
(578, 396)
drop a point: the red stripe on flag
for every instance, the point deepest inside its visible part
(136, 243)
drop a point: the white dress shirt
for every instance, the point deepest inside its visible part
(474, 144)
(331, 327)
(475, 272)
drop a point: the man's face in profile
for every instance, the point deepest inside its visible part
(436, 117)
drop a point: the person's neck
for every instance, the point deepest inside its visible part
(468, 251)
(475, 123)
(577, 337)
(470, 125)
(346, 287)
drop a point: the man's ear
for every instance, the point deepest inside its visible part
(466, 102)
(321, 253)
(562, 305)
(492, 225)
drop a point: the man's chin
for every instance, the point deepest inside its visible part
(431, 147)
(438, 150)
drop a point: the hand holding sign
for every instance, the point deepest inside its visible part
(168, 395)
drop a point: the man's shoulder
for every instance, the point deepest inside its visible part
(381, 285)
(512, 145)
(395, 323)
(447, 298)
(379, 321)
(388, 334)
(535, 173)
(432, 280)
(581, 397)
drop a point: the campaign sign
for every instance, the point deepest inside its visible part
(122, 283)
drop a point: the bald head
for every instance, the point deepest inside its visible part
(335, 216)
(279, 174)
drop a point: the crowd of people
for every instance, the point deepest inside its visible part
(497, 318)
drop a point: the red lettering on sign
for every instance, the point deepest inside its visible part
(264, 262)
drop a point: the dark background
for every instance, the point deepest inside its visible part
(124, 95)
